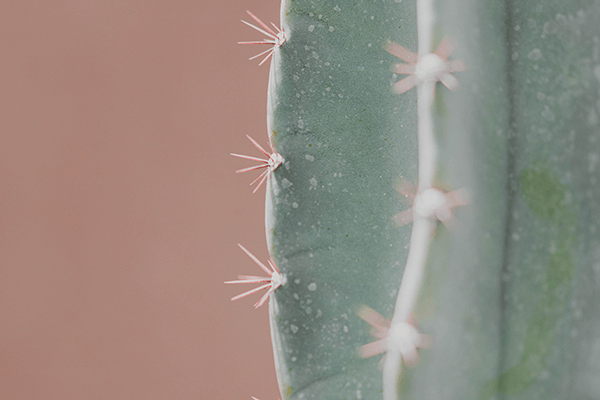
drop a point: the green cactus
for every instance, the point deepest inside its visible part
(362, 216)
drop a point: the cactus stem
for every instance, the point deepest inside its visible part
(271, 163)
(275, 37)
(273, 281)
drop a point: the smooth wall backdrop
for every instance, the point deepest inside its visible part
(119, 207)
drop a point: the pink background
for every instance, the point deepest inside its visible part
(119, 206)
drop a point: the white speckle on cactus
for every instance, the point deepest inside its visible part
(294, 359)
(309, 157)
(313, 183)
(295, 295)
(331, 29)
(345, 329)
(311, 28)
(337, 8)
(294, 329)
(295, 205)
(549, 28)
(300, 124)
(312, 287)
(535, 54)
(285, 183)
(308, 310)
(358, 393)
(547, 114)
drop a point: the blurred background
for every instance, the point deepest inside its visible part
(120, 209)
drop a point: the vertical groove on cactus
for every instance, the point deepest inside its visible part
(510, 188)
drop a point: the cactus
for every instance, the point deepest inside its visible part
(432, 196)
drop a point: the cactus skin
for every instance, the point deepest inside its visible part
(511, 295)
(346, 142)
(551, 324)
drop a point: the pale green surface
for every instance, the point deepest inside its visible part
(346, 139)
(551, 331)
(511, 295)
